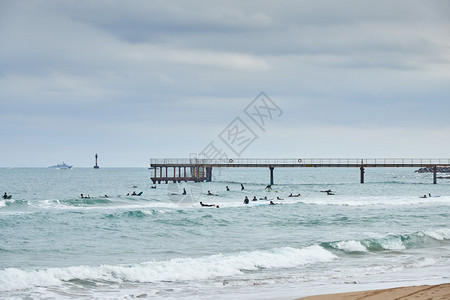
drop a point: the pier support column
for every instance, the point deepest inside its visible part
(362, 174)
(271, 175)
(208, 173)
(434, 174)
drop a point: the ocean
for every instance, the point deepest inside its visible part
(164, 245)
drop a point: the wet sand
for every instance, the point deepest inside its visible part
(435, 292)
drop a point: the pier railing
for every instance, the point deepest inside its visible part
(231, 162)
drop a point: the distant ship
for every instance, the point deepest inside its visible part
(61, 166)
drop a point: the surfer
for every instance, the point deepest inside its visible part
(246, 201)
(330, 193)
(242, 187)
(134, 193)
(278, 198)
(271, 203)
(184, 191)
(327, 191)
(206, 205)
(268, 188)
(5, 196)
(298, 195)
(424, 196)
(254, 198)
(228, 189)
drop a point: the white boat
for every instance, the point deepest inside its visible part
(61, 166)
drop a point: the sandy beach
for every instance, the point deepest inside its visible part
(435, 292)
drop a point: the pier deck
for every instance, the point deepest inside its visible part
(200, 169)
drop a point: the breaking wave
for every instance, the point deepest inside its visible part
(178, 269)
(392, 242)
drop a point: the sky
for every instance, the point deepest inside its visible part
(134, 80)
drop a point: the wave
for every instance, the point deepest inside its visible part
(13, 203)
(375, 200)
(219, 265)
(138, 213)
(74, 202)
(391, 242)
(85, 202)
(178, 269)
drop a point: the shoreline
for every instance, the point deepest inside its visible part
(422, 292)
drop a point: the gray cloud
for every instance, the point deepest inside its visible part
(155, 74)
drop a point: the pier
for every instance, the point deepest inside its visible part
(200, 169)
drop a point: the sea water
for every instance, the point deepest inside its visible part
(162, 244)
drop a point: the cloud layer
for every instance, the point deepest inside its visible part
(139, 79)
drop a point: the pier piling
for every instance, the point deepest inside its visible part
(208, 173)
(271, 174)
(434, 174)
(362, 174)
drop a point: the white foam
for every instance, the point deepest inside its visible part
(426, 262)
(172, 270)
(3, 202)
(392, 243)
(439, 234)
(351, 246)
(15, 279)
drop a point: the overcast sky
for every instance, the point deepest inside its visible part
(133, 80)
